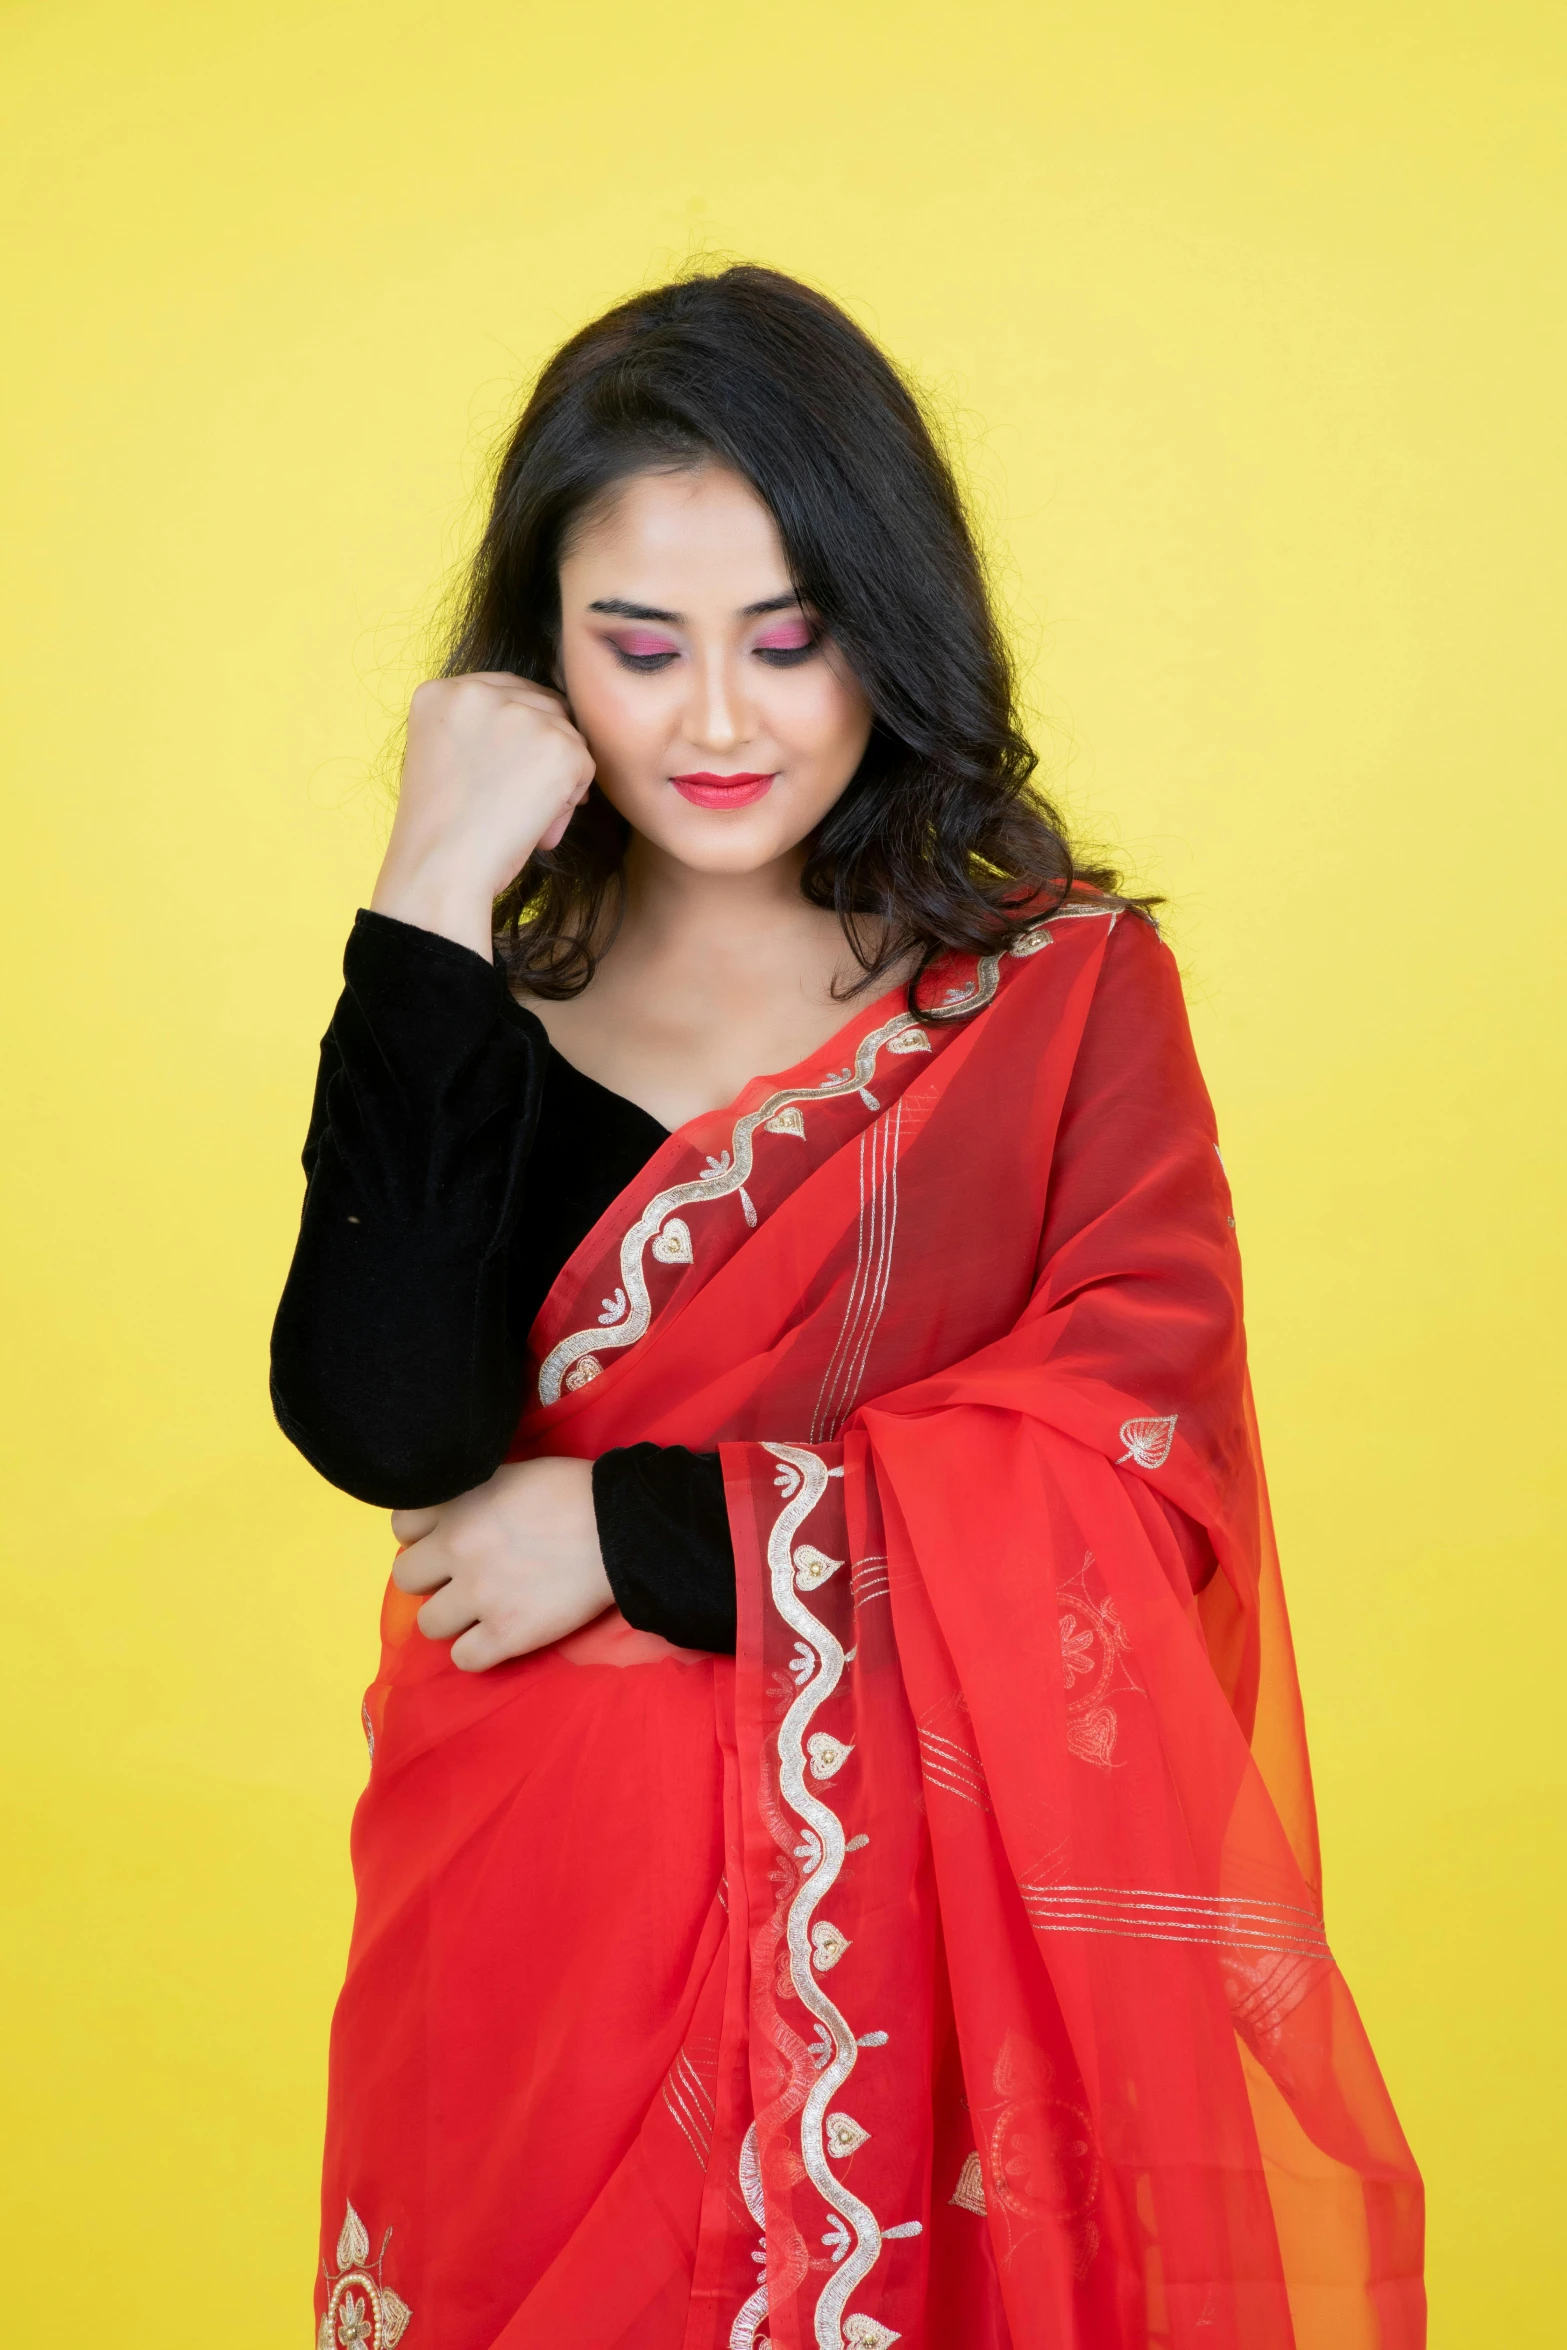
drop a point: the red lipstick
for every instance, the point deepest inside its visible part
(722, 791)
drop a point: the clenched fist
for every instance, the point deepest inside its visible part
(493, 770)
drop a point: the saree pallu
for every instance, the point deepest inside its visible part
(948, 1968)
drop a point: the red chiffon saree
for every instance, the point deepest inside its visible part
(949, 1967)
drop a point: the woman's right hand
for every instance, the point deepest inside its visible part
(493, 770)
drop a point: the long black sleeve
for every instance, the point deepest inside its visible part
(453, 1163)
(394, 1368)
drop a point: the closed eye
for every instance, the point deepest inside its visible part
(639, 650)
(786, 644)
(644, 660)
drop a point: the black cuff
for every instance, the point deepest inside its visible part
(664, 1533)
(426, 1000)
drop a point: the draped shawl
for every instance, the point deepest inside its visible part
(949, 1967)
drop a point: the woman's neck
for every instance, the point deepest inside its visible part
(709, 980)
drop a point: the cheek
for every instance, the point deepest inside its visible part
(820, 713)
(623, 728)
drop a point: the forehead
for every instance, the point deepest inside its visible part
(682, 540)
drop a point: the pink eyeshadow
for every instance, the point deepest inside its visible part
(639, 644)
(788, 636)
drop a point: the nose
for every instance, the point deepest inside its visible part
(719, 716)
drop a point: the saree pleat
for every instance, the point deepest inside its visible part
(950, 1966)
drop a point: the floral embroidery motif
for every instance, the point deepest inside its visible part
(790, 1121)
(1148, 1442)
(362, 2312)
(1043, 2160)
(582, 1372)
(1094, 1649)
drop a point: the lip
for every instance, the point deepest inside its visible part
(723, 791)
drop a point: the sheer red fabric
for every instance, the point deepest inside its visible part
(950, 1967)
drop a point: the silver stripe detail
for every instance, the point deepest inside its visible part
(869, 1578)
(1144, 1914)
(691, 2106)
(952, 1768)
(872, 1272)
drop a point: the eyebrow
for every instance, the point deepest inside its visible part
(618, 609)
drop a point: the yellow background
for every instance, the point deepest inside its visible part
(1248, 320)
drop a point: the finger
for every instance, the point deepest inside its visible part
(447, 1614)
(480, 1648)
(521, 689)
(423, 1566)
(414, 1525)
(555, 832)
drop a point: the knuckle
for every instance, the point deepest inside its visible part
(466, 1547)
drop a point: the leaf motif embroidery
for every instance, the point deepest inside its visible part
(828, 1755)
(673, 1245)
(395, 2314)
(812, 1566)
(844, 2134)
(353, 2243)
(1148, 1441)
(828, 1945)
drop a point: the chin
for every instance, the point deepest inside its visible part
(737, 840)
(731, 851)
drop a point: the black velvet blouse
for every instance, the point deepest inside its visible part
(453, 1163)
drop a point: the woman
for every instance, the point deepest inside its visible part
(838, 1862)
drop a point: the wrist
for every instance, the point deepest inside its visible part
(433, 897)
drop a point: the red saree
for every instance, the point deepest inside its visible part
(949, 1968)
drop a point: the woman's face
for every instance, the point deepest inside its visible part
(723, 724)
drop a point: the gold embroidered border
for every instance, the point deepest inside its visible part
(814, 1943)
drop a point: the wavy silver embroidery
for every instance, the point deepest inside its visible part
(668, 1234)
(987, 975)
(814, 1943)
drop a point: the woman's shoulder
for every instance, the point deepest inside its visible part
(1119, 931)
(1107, 952)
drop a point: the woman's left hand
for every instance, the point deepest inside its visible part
(511, 1566)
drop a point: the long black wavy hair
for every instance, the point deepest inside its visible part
(936, 842)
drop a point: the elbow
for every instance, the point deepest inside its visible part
(385, 1459)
